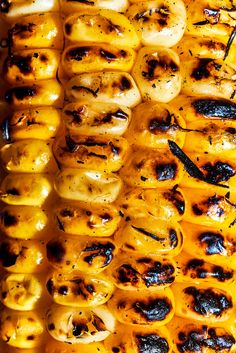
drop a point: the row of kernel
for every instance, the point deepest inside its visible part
(30, 67)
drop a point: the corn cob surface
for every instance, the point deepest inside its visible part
(118, 176)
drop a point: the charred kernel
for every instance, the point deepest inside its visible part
(152, 344)
(202, 70)
(100, 250)
(166, 171)
(208, 302)
(154, 310)
(214, 243)
(22, 62)
(78, 53)
(55, 251)
(20, 93)
(218, 172)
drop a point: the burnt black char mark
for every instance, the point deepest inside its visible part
(5, 130)
(219, 171)
(148, 234)
(100, 250)
(128, 274)
(215, 108)
(208, 302)
(20, 93)
(5, 6)
(55, 251)
(214, 243)
(8, 219)
(22, 62)
(84, 88)
(196, 266)
(177, 200)
(165, 64)
(202, 70)
(153, 310)
(159, 274)
(195, 341)
(152, 343)
(8, 257)
(87, 2)
(78, 53)
(166, 171)
(119, 114)
(108, 55)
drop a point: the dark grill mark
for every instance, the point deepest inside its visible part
(128, 274)
(166, 171)
(119, 114)
(79, 328)
(215, 108)
(67, 213)
(89, 90)
(106, 217)
(50, 286)
(55, 251)
(30, 337)
(51, 327)
(195, 341)
(78, 53)
(214, 243)
(173, 238)
(108, 55)
(201, 71)
(159, 274)
(152, 344)
(88, 2)
(13, 191)
(219, 171)
(164, 63)
(148, 234)
(208, 302)
(75, 114)
(20, 93)
(8, 219)
(93, 154)
(68, 28)
(7, 257)
(22, 62)
(63, 290)
(154, 310)
(197, 269)
(5, 6)
(125, 84)
(177, 199)
(23, 31)
(100, 250)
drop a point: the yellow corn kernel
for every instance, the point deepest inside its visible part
(193, 302)
(42, 30)
(158, 22)
(10, 10)
(209, 208)
(154, 123)
(205, 47)
(163, 204)
(211, 18)
(198, 108)
(114, 87)
(28, 156)
(192, 268)
(67, 253)
(39, 122)
(22, 329)
(150, 236)
(88, 118)
(143, 308)
(157, 73)
(214, 137)
(88, 185)
(79, 325)
(106, 154)
(79, 289)
(5, 349)
(88, 57)
(31, 65)
(25, 189)
(21, 291)
(54, 346)
(204, 76)
(44, 93)
(71, 6)
(215, 167)
(212, 245)
(22, 222)
(84, 219)
(205, 336)
(102, 26)
(23, 256)
(146, 168)
(132, 272)
(130, 339)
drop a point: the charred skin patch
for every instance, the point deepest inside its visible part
(197, 268)
(68, 28)
(22, 62)
(177, 199)
(5, 6)
(166, 171)
(151, 343)
(202, 70)
(204, 207)
(8, 256)
(195, 341)
(212, 16)
(153, 309)
(207, 302)
(161, 16)
(8, 219)
(20, 93)
(213, 242)
(105, 54)
(66, 212)
(55, 251)
(218, 171)
(22, 31)
(76, 115)
(78, 53)
(79, 328)
(13, 191)
(215, 108)
(156, 67)
(163, 124)
(103, 250)
(87, 2)
(79, 288)
(119, 114)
